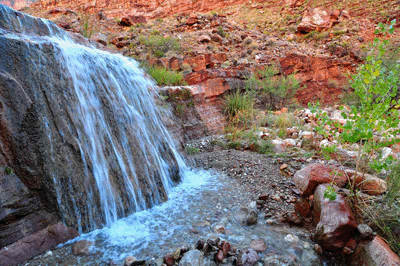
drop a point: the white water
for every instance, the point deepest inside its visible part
(127, 91)
(149, 231)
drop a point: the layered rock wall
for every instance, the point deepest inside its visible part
(150, 8)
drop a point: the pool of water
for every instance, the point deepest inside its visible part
(203, 202)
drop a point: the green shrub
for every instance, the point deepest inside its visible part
(237, 103)
(165, 77)
(393, 183)
(265, 147)
(328, 151)
(234, 145)
(273, 90)
(376, 84)
(192, 150)
(159, 45)
(221, 31)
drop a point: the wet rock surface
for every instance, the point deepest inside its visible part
(336, 220)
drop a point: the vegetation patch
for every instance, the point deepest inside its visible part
(165, 77)
(275, 91)
(159, 45)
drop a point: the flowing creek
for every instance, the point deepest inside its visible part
(203, 201)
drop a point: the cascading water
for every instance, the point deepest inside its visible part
(128, 161)
(129, 132)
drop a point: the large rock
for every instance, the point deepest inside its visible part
(336, 220)
(202, 114)
(375, 252)
(192, 19)
(45, 141)
(192, 258)
(130, 20)
(36, 243)
(315, 72)
(308, 178)
(317, 19)
(372, 185)
(367, 183)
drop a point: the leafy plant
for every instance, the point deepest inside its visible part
(376, 85)
(330, 193)
(8, 171)
(328, 151)
(221, 31)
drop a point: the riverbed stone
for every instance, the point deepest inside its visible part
(366, 232)
(251, 218)
(82, 247)
(247, 257)
(303, 207)
(372, 185)
(308, 178)
(258, 245)
(192, 258)
(336, 221)
(169, 259)
(375, 252)
(36, 243)
(369, 184)
(278, 260)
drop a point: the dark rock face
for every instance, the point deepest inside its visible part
(36, 243)
(28, 202)
(21, 212)
(41, 140)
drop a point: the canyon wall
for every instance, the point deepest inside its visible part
(149, 9)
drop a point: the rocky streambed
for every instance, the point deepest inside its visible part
(208, 211)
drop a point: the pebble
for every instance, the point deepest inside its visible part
(291, 238)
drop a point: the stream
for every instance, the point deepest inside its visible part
(204, 202)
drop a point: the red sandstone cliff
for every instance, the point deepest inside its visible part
(147, 8)
(17, 4)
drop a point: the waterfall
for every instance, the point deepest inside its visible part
(102, 143)
(117, 117)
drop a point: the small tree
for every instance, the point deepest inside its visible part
(376, 84)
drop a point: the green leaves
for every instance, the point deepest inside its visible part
(330, 193)
(376, 83)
